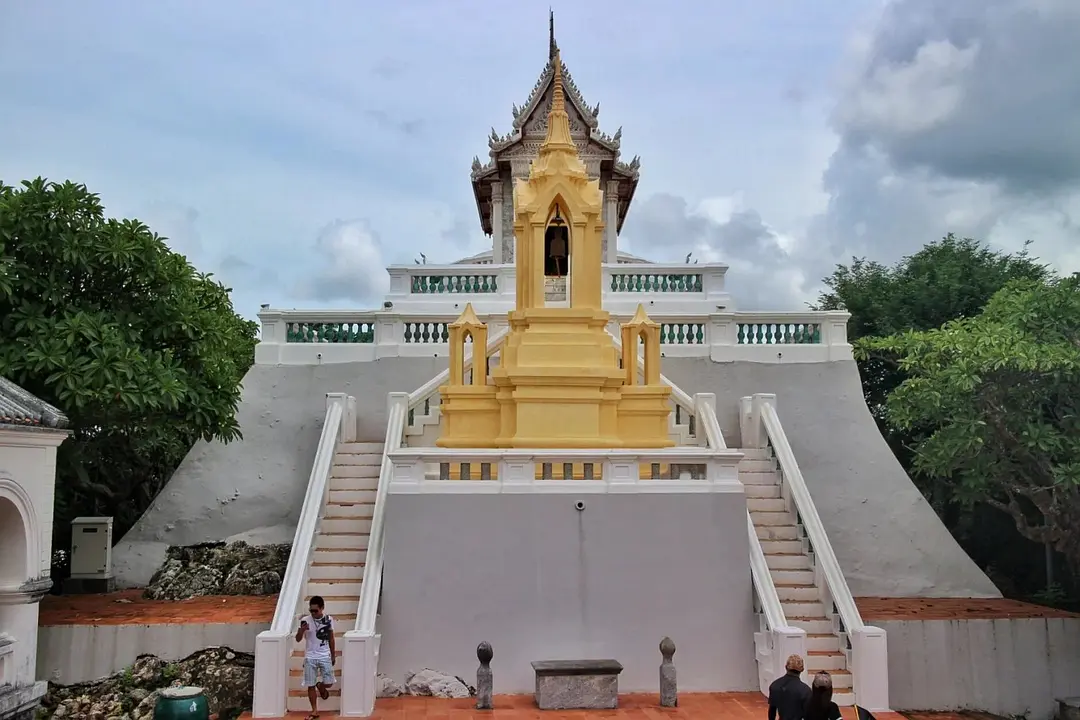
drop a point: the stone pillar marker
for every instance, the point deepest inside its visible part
(669, 693)
(484, 678)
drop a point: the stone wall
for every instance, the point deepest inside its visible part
(217, 568)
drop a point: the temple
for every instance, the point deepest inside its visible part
(572, 453)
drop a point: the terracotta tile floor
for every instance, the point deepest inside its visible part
(692, 706)
(873, 608)
(129, 608)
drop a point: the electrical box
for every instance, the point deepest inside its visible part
(91, 548)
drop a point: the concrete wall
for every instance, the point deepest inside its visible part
(540, 580)
(887, 538)
(27, 489)
(252, 489)
(1008, 667)
(80, 653)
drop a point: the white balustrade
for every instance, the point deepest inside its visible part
(360, 654)
(273, 646)
(868, 652)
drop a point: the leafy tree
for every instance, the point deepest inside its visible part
(948, 279)
(142, 352)
(998, 395)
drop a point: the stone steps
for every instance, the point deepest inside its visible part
(792, 571)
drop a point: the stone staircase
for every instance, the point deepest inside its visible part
(337, 567)
(786, 552)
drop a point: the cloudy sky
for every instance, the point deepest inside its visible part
(295, 149)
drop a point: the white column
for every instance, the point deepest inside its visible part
(497, 223)
(611, 222)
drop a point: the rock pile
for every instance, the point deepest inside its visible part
(226, 677)
(426, 683)
(219, 569)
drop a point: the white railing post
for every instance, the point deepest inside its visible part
(361, 658)
(870, 657)
(516, 474)
(757, 430)
(786, 641)
(621, 475)
(271, 674)
(273, 333)
(712, 282)
(342, 400)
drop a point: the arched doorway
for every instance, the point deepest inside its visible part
(17, 525)
(557, 246)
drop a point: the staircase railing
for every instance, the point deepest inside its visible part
(868, 655)
(360, 654)
(775, 640)
(273, 646)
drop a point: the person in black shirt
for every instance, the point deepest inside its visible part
(789, 695)
(820, 705)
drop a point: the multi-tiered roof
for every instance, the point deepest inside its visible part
(511, 153)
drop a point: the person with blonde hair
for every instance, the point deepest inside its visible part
(820, 705)
(788, 695)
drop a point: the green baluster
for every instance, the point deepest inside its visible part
(700, 334)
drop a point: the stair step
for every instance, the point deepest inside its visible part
(792, 577)
(816, 641)
(808, 609)
(748, 465)
(798, 592)
(341, 606)
(349, 510)
(787, 561)
(841, 679)
(332, 586)
(353, 484)
(761, 491)
(755, 453)
(336, 571)
(334, 524)
(811, 626)
(771, 518)
(339, 556)
(782, 546)
(844, 699)
(776, 532)
(830, 660)
(350, 540)
(361, 448)
(753, 477)
(353, 495)
(355, 470)
(777, 505)
(365, 460)
(300, 704)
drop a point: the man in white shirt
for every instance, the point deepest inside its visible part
(317, 631)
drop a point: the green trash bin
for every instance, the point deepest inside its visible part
(182, 703)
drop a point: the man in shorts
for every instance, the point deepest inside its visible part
(317, 631)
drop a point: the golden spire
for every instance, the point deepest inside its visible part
(558, 130)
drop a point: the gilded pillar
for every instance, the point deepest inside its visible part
(611, 222)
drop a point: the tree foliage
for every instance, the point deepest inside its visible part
(999, 397)
(142, 352)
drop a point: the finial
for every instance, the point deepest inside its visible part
(553, 48)
(558, 97)
(484, 683)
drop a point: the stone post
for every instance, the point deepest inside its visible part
(497, 223)
(669, 693)
(611, 222)
(484, 679)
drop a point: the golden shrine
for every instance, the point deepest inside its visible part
(560, 382)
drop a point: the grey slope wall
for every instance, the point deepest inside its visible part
(253, 489)
(887, 538)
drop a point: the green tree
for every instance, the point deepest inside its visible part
(142, 352)
(998, 398)
(946, 280)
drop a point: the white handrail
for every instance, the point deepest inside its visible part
(303, 540)
(815, 531)
(763, 582)
(432, 386)
(371, 586)
(707, 420)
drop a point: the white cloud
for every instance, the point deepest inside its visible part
(351, 265)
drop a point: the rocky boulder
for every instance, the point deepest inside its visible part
(227, 678)
(219, 569)
(433, 683)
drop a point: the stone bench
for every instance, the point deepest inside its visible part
(577, 684)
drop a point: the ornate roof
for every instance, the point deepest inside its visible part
(530, 118)
(18, 407)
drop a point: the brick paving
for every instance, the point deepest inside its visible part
(128, 607)
(692, 706)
